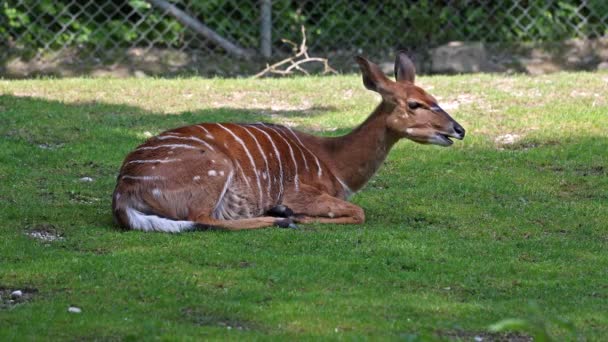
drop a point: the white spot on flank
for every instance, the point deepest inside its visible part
(330, 214)
(213, 161)
(156, 192)
(264, 176)
(409, 130)
(212, 173)
(195, 178)
(251, 160)
(117, 196)
(221, 173)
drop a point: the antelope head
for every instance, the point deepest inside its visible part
(412, 113)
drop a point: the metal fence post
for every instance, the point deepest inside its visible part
(266, 28)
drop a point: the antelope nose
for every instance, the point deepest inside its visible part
(459, 130)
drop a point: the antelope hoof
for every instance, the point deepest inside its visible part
(286, 223)
(280, 211)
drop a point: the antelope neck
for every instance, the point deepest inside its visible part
(357, 155)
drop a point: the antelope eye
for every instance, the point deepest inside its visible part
(414, 105)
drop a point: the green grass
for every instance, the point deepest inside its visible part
(456, 239)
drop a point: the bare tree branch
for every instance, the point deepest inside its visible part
(202, 29)
(300, 51)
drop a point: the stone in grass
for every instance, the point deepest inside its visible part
(86, 179)
(74, 309)
(507, 139)
(16, 294)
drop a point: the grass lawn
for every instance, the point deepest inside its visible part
(456, 239)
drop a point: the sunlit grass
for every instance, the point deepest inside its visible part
(456, 239)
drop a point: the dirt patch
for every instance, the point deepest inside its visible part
(583, 171)
(13, 296)
(592, 171)
(202, 318)
(462, 335)
(79, 198)
(44, 232)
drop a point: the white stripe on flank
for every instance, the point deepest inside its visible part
(146, 178)
(238, 166)
(240, 141)
(263, 156)
(348, 192)
(319, 171)
(219, 204)
(208, 134)
(276, 151)
(299, 149)
(171, 146)
(293, 157)
(153, 161)
(163, 137)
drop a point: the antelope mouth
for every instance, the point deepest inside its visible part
(443, 139)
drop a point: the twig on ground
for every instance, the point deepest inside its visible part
(301, 56)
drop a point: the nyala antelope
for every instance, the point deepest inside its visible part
(247, 176)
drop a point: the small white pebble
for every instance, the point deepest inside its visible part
(86, 179)
(147, 134)
(16, 294)
(478, 338)
(74, 309)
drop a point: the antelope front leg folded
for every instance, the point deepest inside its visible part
(311, 205)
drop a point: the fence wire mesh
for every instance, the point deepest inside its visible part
(105, 32)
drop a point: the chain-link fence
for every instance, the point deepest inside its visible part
(227, 37)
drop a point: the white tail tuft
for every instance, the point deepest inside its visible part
(153, 223)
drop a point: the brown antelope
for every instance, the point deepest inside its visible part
(235, 176)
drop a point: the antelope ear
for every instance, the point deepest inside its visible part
(373, 78)
(405, 71)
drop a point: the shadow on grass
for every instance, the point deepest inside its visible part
(462, 233)
(94, 138)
